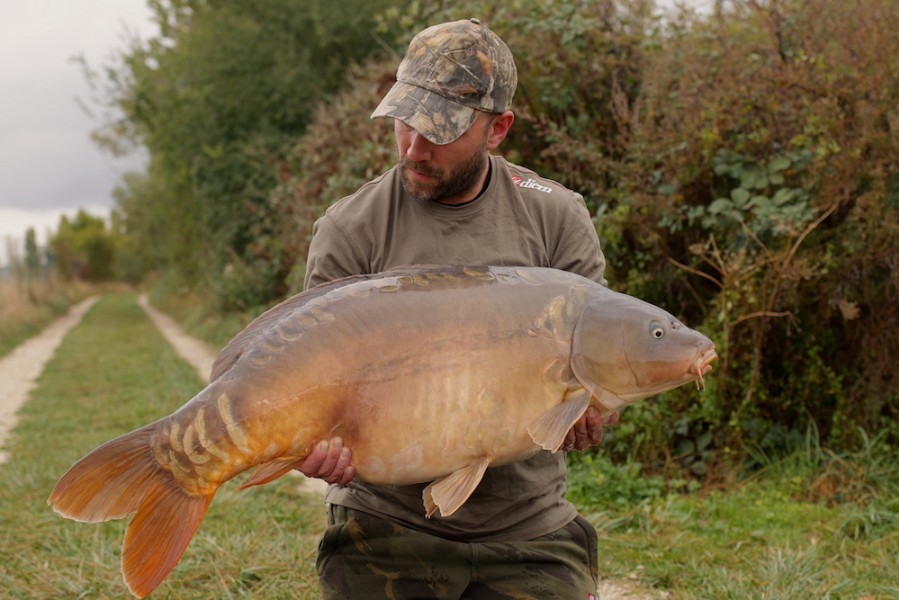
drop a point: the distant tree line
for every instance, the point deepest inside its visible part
(742, 167)
(85, 247)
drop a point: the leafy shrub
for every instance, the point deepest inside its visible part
(342, 149)
(763, 145)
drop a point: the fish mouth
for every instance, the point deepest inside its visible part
(702, 366)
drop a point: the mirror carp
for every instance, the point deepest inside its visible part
(427, 373)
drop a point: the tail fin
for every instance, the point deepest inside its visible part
(122, 477)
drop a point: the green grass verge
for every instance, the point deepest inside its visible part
(744, 544)
(809, 526)
(113, 373)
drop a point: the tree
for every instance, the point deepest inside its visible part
(32, 256)
(217, 99)
(84, 248)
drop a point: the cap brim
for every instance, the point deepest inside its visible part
(438, 119)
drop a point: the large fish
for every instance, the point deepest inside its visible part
(510, 357)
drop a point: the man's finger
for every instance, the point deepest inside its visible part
(344, 469)
(314, 460)
(612, 418)
(593, 426)
(337, 472)
(335, 450)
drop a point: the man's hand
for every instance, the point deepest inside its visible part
(588, 430)
(330, 461)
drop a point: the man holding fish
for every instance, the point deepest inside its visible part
(448, 201)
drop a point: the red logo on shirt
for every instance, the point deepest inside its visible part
(531, 184)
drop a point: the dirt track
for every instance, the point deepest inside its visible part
(20, 369)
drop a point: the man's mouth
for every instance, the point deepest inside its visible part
(418, 175)
(419, 172)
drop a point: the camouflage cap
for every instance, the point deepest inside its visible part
(450, 72)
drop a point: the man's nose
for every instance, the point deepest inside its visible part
(420, 148)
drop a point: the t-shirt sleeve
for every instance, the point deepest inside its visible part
(577, 247)
(332, 254)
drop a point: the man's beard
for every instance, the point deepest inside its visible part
(446, 184)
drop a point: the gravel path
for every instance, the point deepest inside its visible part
(20, 369)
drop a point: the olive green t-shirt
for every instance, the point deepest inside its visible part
(520, 219)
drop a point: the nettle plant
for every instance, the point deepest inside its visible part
(755, 197)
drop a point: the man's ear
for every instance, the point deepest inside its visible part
(499, 128)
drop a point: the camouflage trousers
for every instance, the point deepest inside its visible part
(363, 556)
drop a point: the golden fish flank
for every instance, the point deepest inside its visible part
(198, 459)
(512, 356)
(481, 432)
(210, 444)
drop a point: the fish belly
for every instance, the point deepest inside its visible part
(452, 411)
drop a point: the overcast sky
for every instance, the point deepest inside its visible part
(48, 164)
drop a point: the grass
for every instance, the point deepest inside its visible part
(812, 525)
(113, 373)
(753, 542)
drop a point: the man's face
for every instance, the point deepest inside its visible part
(450, 174)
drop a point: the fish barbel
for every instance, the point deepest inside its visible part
(511, 357)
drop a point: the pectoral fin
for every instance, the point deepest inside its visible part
(549, 430)
(451, 492)
(271, 470)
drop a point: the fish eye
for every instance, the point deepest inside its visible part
(656, 330)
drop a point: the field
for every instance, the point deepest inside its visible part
(811, 525)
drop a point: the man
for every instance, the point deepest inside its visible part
(448, 201)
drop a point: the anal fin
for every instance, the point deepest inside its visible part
(550, 429)
(271, 470)
(449, 493)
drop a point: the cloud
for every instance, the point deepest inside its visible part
(48, 164)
